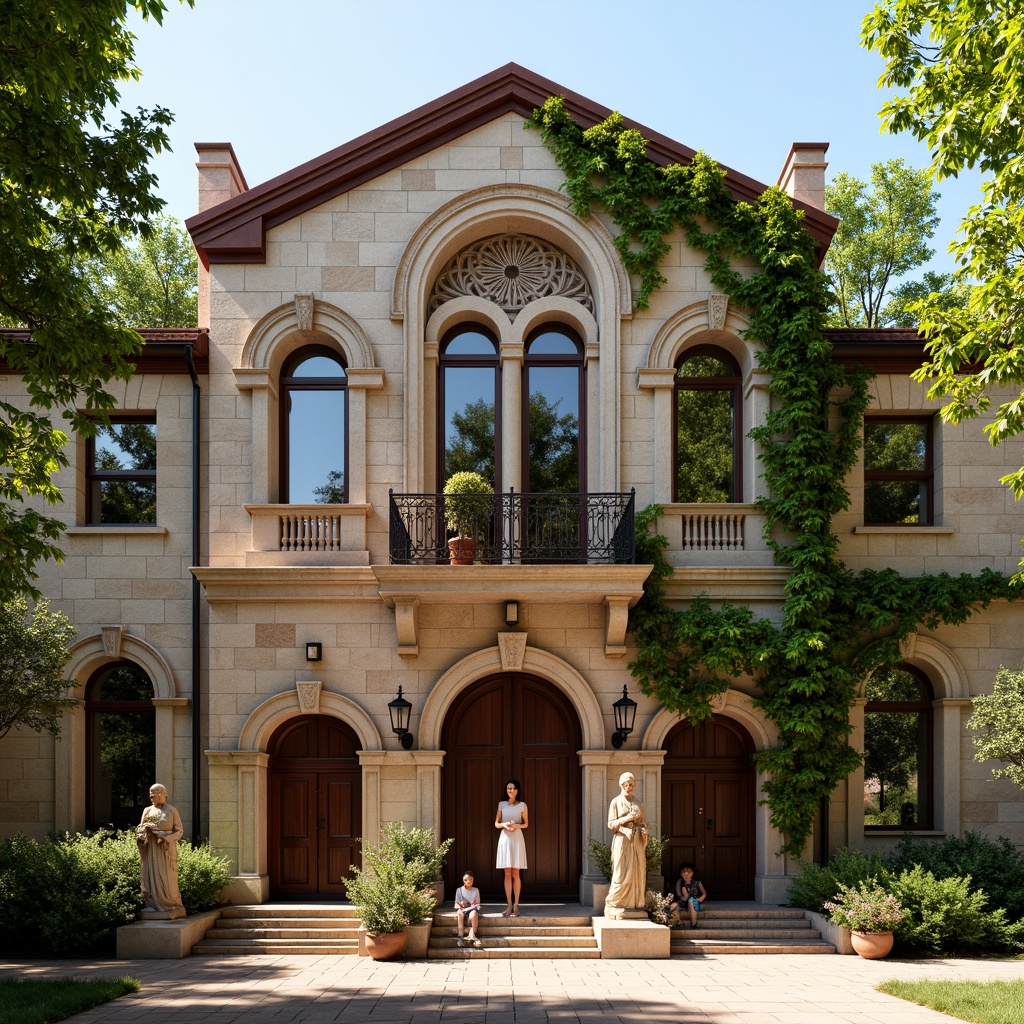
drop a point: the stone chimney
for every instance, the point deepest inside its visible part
(220, 179)
(803, 175)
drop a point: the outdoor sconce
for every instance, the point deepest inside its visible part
(400, 710)
(314, 651)
(511, 613)
(625, 716)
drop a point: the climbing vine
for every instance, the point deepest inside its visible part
(837, 626)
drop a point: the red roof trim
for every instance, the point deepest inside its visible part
(235, 231)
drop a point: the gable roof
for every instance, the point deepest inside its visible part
(235, 231)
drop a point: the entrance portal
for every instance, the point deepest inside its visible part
(513, 726)
(315, 806)
(708, 799)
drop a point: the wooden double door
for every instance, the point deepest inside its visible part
(315, 807)
(708, 804)
(513, 726)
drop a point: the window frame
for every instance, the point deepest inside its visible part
(289, 384)
(732, 384)
(926, 476)
(95, 476)
(925, 706)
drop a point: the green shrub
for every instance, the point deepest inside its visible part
(818, 884)
(419, 850)
(996, 865)
(202, 874)
(601, 855)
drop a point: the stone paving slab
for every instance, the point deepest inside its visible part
(782, 989)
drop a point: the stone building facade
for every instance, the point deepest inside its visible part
(360, 308)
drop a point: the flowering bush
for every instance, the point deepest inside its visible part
(866, 907)
(657, 907)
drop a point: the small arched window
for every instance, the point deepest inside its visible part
(898, 750)
(120, 745)
(314, 428)
(708, 430)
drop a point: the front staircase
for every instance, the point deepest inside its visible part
(543, 932)
(283, 928)
(749, 928)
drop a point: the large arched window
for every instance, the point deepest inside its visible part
(898, 750)
(120, 745)
(469, 405)
(553, 409)
(314, 428)
(708, 464)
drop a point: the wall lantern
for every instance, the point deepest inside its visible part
(314, 651)
(511, 613)
(625, 716)
(400, 710)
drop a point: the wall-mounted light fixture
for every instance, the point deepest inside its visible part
(624, 710)
(511, 613)
(400, 710)
(314, 651)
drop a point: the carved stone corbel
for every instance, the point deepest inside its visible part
(304, 312)
(616, 621)
(112, 637)
(405, 622)
(718, 307)
(309, 697)
(512, 649)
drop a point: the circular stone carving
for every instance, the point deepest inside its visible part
(511, 271)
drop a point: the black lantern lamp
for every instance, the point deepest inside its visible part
(314, 650)
(625, 716)
(400, 710)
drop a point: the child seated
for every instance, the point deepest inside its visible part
(690, 893)
(467, 908)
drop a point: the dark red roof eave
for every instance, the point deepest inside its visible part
(235, 231)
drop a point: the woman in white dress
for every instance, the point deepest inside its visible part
(511, 819)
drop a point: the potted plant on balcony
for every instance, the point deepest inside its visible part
(870, 913)
(468, 501)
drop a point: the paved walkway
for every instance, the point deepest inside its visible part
(782, 989)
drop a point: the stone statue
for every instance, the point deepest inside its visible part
(157, 835)
(629, 851)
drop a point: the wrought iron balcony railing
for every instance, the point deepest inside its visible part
(515, 529)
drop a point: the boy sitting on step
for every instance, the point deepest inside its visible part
(690, 893)
(467, 908)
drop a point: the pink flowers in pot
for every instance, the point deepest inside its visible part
(866, 907)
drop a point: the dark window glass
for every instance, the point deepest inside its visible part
(707, 427)
(898, 750)
(469, 405)
(121, 745)
(898, 471)
(314, 448)
(121, 472)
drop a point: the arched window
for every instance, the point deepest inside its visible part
(898, 750)
(708, 464)
(469, 405)
(553, 409)
(314, 428)
(120, 745)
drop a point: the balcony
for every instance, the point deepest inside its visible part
(516, 529)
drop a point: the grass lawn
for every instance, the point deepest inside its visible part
(41, 1001)
(983, 1002)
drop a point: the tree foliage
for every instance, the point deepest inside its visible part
(76, 185)
(33, 653)
(958, 68)
(999, 719)
(883, 234)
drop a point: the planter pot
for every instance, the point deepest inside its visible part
(872, 945)
(600, 895)
(461, 550)
(384, 947)
(417, 938)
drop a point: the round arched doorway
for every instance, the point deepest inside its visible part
(315, 806)
(708, 786)
(513, 726)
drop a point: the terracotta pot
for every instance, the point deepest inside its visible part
(872, 945)
(461, 550)
(386, 946)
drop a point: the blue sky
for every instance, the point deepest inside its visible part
(741, 79)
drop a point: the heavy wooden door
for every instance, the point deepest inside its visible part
(315, 807)
(708, 802)
(513, 726)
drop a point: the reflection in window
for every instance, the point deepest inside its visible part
(897, 470)
(314, 428)
(707, 461)
(121, 472)
(897, 750)
(468, 406)
(553, 400)
(121, 745)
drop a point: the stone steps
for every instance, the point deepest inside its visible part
(741, 930)
(541, 936)
(278, 929)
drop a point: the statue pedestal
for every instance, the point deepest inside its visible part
(625, 913)
(163, 940)
(149, 914)
(631, 938)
